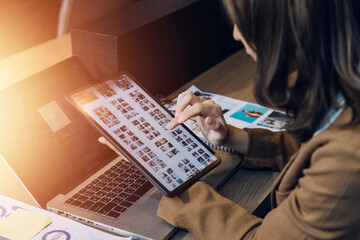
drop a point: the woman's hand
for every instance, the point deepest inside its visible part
(207, 114)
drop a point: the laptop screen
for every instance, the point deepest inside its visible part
(49, 145)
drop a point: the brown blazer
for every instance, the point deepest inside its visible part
(317, 195)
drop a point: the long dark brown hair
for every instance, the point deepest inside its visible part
(318, 38)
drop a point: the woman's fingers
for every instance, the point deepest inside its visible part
(185, 99)
(205, 109)
(213, 123)
(173, 123)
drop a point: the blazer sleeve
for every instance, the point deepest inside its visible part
(270, 150)
(324, 205)
(206, 214)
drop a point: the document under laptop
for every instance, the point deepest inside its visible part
(54, 152)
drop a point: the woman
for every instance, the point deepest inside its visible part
(318, 193)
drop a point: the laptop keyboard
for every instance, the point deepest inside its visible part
(113, 192)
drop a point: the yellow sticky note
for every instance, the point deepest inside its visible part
(22, 224)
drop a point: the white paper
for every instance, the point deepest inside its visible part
(60, 229)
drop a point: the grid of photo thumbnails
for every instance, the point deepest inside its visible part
(162, 144)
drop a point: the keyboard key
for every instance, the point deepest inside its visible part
(101, 184)
(127, 164)
(133, 177)
(117, 200)
(125, 204)
(87, 204)
(107, 179)
(94, 182)
(119, 209)
(101, 193)
(76, 203)
(96, 206)
(113, 175)
(111, 195)
(82, 198)
(119, 164)
(117, 190)
(141, 181)
(106, 189)
(89, 186)
(70, 200)
(123, 186)
(113, 214)
(102, 176)
(119, 179)
(143, 189)
(135, 185)
(107, 208)
(82, 191)
(95, 198)
(105, 199)
(89, 193)
(119, 171)
(128, 181)
(132, 198)
(123, 168)
(114, 168)
(113, 184)
(95, 188)
(125, 175)
(138, 173)
(76, 195)
(129, 191)
(137, 176)
(124, 195)
(143, 178)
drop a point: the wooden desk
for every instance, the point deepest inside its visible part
(232, 77)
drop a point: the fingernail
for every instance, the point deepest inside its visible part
(169, 125)
(181, 119)
(210, 121)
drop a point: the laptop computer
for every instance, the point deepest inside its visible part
(54, 152)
